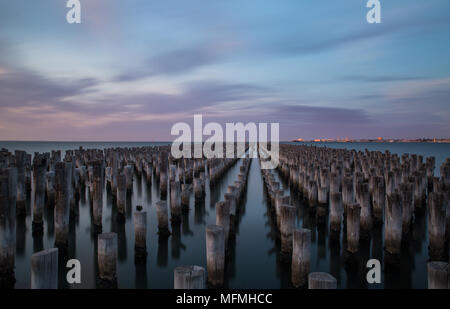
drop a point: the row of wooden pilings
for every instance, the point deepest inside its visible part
(217, 238)
(295, 243)
(58, 182)
(362, 189)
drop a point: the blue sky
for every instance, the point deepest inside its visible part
(134, 68)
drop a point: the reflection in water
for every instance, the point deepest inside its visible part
(175, 240)
(163, 251)
(200, 212)
(21, 232)
(141, 276)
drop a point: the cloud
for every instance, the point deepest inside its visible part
(174, 62)
(379, 79)
(319, 114)
(20, 87)
(404, 20)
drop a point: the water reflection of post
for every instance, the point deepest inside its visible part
(200, 212)
(163, 250)
(185, 223)
(176, 244)
(334, 244)
(141, 281)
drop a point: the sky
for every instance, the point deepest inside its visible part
(134, 68)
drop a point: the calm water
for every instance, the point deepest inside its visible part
(254, 260)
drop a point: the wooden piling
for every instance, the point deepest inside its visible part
(223, 218)
(198, 189)
(50, 187)
(39, 178)
(189, 277)
(185, 193)
(353, 227)
(393, 224)
(163, 218)
(215, 254)
(140, 236)
(97, 195)
(121, 196)
(44, 269)
(363, 199)
(336, 211)
(320, 280)
(287, 226)
(107, 258)
(301, 256)
(175, 201)
(436, 223)
(8, 196)
(63, 173)
(438, 275)
(20, 157)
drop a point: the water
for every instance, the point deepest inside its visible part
(254, 260)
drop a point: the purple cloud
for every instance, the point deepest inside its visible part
(173, 62)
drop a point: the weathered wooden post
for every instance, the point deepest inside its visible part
(334, 183)
(312, 194)
(301, 256)
(189, 277)
(287, 226)
(39, 177)
(50, 187)
(97, 195)
(63, 173)
(438, 275)
(121, 196)
(322, 196)
(172, 173)
(44, 269)
(231, 199)
(353, 227)
(336, 211)
(128, 171)
(8, 196)
(223, 218)
(363, 199)
(140, 236)
(175, 201)
(21, 188)
(378, 200)
(107, 259)
(393, 224)
(215, 254)
(347, 193)
(406, 194)
(321, 280)
(185, 193)
(163, 218)
(436, 223)
(163, 182)
(198, 189)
